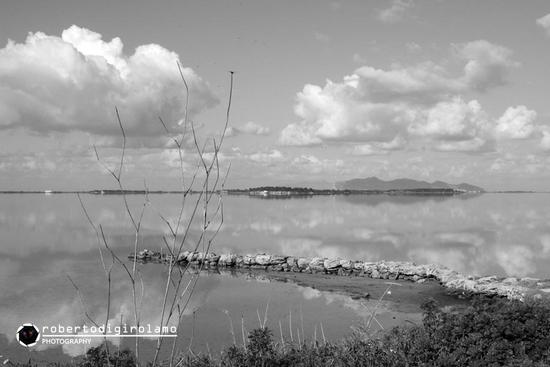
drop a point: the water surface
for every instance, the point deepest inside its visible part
(44, 239)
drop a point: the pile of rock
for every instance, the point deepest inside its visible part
(513, 288)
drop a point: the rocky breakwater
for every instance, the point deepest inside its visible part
(513, 288)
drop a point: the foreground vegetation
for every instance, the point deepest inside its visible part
(490, 332)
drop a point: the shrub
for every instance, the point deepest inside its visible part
(490, 332)
(98, 356)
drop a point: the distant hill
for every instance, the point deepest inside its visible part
(374, 183)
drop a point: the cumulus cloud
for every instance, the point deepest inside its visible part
(544, 23)
(454, 119)
(250, 128)
(375, 106)
(487, 64)
(51, 83)
(396, 12)
(312, 164)
(516, 123)
(267, 157)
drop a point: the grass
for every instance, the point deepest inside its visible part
(489, 332)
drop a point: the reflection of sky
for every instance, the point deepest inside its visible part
(42, 238)
(38, 292)
(489, 234)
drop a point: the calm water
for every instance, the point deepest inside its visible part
(45, 238)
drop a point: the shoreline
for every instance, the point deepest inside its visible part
(452, 281)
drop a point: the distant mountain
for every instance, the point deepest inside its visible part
(374, 183)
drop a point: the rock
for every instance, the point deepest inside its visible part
(192, 256)
(490, 279)
(303, 262)
(212, 257)
(382, 267)
(331, 265)
(369, 267)
(145, 254)
(182, 257)
(317, 264)
(227, 260)
(249, 260)
(511, 281)
(201, 256)
(444, 275)
(408, 268)
(457, 283)
(292, 261)
(347, 264)
(435, 270)
(278, 259)
(263, 259)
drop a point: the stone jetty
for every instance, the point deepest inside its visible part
(512, 288)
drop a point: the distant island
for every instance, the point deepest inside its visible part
(374, 183)
(366, 186)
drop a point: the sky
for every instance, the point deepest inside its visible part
(324, 91)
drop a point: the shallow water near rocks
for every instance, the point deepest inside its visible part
(45, 238)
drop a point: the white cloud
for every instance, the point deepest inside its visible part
(516, 123)
(250, 128)
(452, 120)
(487, 64)
(72, 82)
(299, 135)
(544, 23)
(378, 148)
(268, 157)
(396, 12)
(312, 164)
(471, 145)
(254, 129)
(545, 141)
(375, 106)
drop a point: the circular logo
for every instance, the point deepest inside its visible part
(27, 335)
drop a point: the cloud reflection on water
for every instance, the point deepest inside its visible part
(44, 238)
